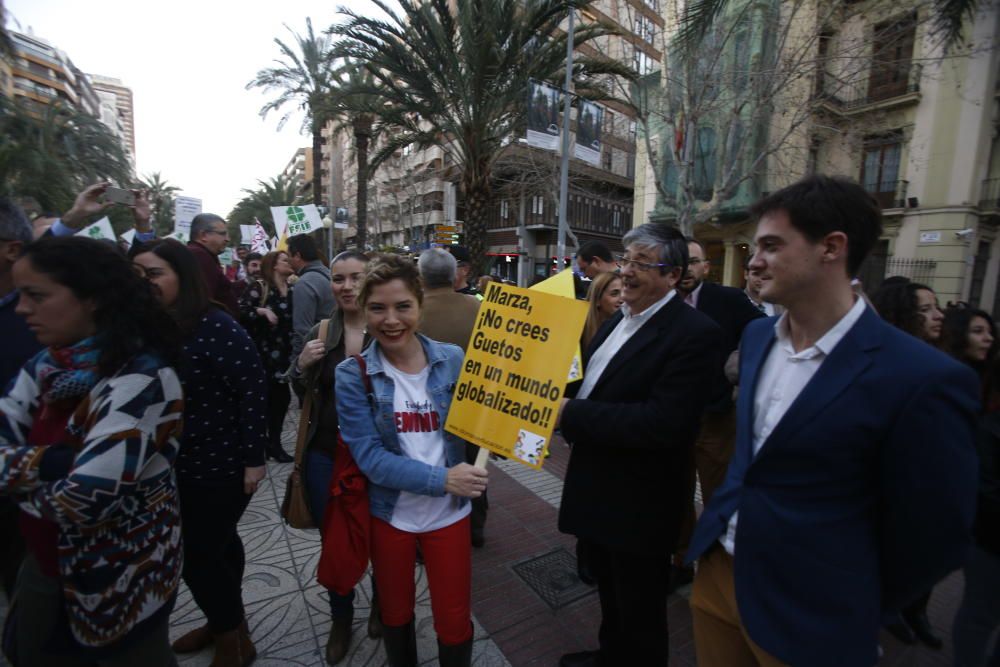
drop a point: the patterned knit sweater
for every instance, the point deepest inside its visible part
(119, 543)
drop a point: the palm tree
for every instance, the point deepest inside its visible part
(457, 71)
(301, 76)
(49, 153)
(353, 110)
(161, 198)
(257, 203)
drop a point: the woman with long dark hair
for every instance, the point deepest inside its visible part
(221, 460)
(968, 334)
(914, 308)
(266, 308)
(313, 371)
(419, 482)
(87, 448)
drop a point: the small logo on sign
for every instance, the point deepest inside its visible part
(530, 447)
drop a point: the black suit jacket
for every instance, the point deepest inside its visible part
(732, 311)
(633, 437)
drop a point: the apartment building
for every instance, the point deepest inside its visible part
(299, 171)
(874, 98)
(118, 104)
(42, 74)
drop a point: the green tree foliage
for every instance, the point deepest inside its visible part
(161, 201)
(49, 153)
(257, 203)
(457, 72)
(301, 78)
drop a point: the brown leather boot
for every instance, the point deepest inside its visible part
(193, 641)
(234, 648)
(339, 639)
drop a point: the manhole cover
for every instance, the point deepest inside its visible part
(553, 578)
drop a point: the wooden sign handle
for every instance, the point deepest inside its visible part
(482, 457)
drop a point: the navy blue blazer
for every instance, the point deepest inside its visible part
(860, 499)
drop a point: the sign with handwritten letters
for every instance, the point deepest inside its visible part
(515, 371)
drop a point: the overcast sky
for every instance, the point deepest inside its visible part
(187, 62)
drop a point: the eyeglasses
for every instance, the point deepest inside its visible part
(221, 232)
(639, 266)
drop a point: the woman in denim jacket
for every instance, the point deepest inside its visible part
(419, 483)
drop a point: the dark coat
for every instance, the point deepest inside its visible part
(220, 289)
(861, 498)
(633, 437)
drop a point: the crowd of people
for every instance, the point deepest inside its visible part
(845, 445)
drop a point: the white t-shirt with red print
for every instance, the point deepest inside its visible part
(421, 436)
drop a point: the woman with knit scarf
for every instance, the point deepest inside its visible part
(88, 441)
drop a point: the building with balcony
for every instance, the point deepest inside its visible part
(116, 99)
(917, 130)
(43, 75)
(299, 172)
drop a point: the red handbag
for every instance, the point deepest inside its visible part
(347, 521)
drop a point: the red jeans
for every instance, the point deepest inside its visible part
(448, 562)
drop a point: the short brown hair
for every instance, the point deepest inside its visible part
(386, 268)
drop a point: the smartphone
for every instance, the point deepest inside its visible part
(120, 196)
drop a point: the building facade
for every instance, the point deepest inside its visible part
(876, 100)
(118, 101)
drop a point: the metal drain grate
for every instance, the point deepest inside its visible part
(553, 578)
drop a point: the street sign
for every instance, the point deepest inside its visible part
(441, 229)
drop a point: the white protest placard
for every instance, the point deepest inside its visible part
(100, 230)
(185, 209)
(178, 236)
(296, 220)
(129, 237)
(258, 243)
(246, 234)
(226, 257)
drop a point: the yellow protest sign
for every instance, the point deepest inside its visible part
(514, 373)
(562, 284)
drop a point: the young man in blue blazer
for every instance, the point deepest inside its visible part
(852, 486)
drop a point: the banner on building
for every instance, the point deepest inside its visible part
(294, 220)
(543, 115)
(100, 230)
(185, 209)
(589, 119)
(340, 218)
(514, 373)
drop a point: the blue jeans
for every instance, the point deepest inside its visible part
(979, 615)
(318, 473)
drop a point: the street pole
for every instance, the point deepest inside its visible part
(564, 166)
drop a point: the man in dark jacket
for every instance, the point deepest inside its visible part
(209, 237)
(313, 297)
(632, 426)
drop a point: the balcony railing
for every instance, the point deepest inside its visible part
(989, 197)
(890, 194)
(850, 95)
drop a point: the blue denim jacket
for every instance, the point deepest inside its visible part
(369, 427)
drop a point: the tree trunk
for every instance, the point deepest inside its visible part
(362, 133)
(317, 160)
(476, 241)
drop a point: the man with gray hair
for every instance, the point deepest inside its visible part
(632, 425)
(450, 316)
(209, 237)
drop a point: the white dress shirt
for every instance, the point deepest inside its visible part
(783, 376)
(614, 342)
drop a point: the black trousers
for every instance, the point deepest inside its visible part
(11, 545)
(633, 595)
(278, 398)
(214, 559)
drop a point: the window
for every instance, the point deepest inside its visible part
(609, 122)
(631, 131)
(644, 28)
(606, 159)
(822, 54)
(644, 63)
(704, 164)
(880, 168)
(504, 209)
(892, 55)
(537, 205)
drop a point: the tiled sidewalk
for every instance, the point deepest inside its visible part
(289, 617)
